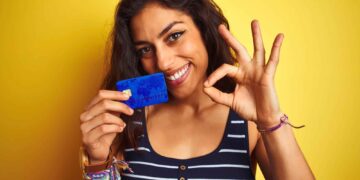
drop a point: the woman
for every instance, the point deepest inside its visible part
(223, 115)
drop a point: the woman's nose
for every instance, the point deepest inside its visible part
(165, 58)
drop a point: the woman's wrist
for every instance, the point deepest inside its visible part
(269, 121)
(96, 162)
(99, 165)
(283, 120)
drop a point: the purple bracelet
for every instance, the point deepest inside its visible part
(112, 173)
(283, 121)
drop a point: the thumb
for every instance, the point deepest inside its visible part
(218, 96)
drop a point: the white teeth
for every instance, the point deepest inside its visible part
(178, 74)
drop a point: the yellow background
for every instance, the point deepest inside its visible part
(51, 64)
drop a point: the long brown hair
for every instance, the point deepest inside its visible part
(124, 62)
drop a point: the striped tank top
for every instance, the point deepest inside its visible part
(230, 160)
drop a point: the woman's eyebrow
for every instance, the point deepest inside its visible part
(165, 30)
(168, 27)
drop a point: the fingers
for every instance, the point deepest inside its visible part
(259, 50)
(101, 130)
(239, 49)
(215, 94)
(103, 124)
(106, 106)
(274, 56)
(108, 94)
(224, 70)
(105, 118)
(218, 96)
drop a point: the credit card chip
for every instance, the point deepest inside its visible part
(127, 91)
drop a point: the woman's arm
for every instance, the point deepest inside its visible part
(280, 157)
(255, 99)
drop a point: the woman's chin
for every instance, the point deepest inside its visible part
(177, 95)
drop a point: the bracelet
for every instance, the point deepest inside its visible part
(111, 173)
(283, 121)
(110, 169)
(107, 174)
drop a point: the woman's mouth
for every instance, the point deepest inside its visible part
(179, 76)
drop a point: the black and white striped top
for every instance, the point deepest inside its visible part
(230, 160)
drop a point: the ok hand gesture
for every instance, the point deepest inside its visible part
(254, 97)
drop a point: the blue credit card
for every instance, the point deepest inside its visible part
(145, 90)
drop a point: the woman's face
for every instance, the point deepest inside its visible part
(168, 41)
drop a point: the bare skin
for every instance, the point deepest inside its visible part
(196, 109)
(170, 137)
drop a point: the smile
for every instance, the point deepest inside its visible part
(179, 74)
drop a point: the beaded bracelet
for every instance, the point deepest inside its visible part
(283, 121)
(112, 173)
(106, 174)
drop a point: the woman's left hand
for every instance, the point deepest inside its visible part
(254, 97)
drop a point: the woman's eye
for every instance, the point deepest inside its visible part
(175, 36)
(143, 51)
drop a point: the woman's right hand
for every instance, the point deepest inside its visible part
(101, 122)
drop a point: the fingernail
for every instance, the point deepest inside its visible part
(126, 95)
(206, 83)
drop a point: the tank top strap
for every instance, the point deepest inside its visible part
(236, 135)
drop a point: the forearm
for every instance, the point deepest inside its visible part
(285, 157)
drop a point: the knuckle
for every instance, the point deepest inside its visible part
(83, 117)
(245, 48)
(260, 49)
(237, 51)
(102, 93)
(105, 103)
(84, 140)
(106, 117)
(82, 128)
(103, 129)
